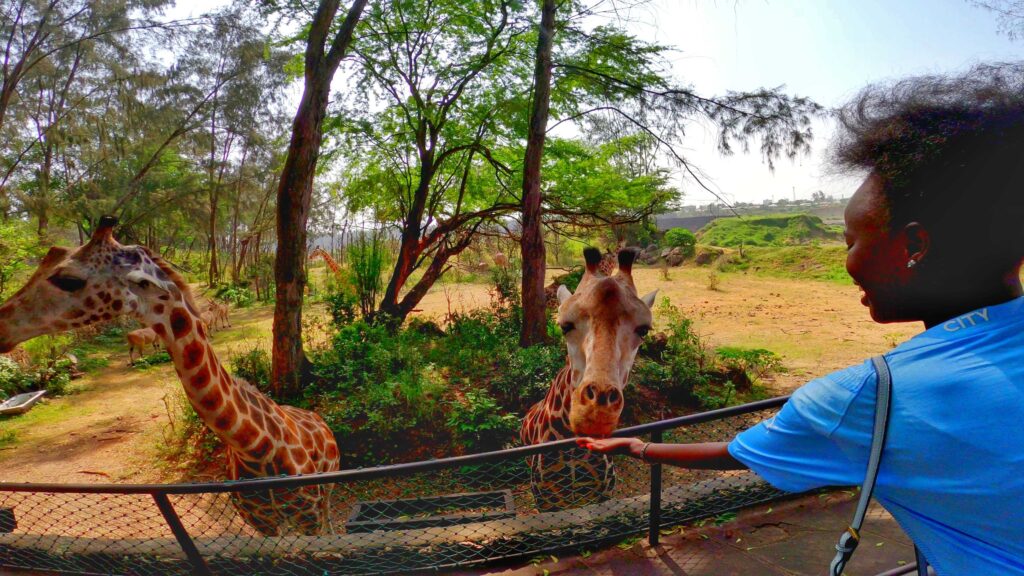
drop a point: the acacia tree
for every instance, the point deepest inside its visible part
(432, 82)
(605, 70)
(326, 45)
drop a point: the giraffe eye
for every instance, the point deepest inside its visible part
(567, 327)
(642, 331)
(67, 283)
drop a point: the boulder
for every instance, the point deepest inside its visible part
(675, 257)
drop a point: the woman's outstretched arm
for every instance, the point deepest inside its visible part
(706, 455)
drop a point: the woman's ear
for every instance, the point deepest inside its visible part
(918, 242)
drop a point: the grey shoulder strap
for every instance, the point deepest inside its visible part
(849, 540)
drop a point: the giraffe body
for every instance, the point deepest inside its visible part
(102, 280)
(604, 323)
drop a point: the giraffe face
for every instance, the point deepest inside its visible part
(604, 323)
(96, 282)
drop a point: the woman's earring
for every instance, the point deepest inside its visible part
(911, 263)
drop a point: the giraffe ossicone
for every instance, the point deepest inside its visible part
(103, 279)
(604, 323)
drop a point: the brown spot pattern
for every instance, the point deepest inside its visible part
(193, 354)
(181, 323)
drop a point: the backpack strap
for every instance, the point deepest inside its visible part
(851, 537)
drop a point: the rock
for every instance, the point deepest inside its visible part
(675, 257)
(708, 255)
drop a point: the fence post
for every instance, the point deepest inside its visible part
(184, 540)
(653, 534)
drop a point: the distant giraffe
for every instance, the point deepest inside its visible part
(321, 253)
(604, 323)
(103, 279)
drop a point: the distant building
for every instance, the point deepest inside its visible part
(691, 223)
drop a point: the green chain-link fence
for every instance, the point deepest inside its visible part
(390, 519)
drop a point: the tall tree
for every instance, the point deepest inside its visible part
(323, 55)
(534, 327)
(437, 68)
(602, 69)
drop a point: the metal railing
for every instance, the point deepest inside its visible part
(425, 515)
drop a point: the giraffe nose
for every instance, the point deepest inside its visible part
(600, 394)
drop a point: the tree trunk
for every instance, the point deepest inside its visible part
(410, 248)
(296, 188)
(534, 329)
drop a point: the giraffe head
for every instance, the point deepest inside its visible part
(98, 281)
(604, 323)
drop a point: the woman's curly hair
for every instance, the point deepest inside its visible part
(949, 150)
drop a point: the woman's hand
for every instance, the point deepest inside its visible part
(627, 446)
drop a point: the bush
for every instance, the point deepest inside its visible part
(478, 425)
(13, 380)
(253, 366)
(682, 238)
(146, 362)
(755, 362)
(237, 295)
(368, 258)
(342, 305)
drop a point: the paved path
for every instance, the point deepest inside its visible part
(790, 538)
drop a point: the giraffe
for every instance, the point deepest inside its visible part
(103, 279)
(320, 252)
(604, 323)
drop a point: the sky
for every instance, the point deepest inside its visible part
(823, 49)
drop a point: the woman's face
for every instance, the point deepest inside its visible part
(876, 256)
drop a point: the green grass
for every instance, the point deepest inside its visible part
(776, 230)
(8, 438)
(809, 262)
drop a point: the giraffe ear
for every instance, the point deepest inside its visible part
(649, 298)
(145, 281)
(563, 294)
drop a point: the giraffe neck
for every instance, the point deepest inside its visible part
(235, 411)
(551, 419)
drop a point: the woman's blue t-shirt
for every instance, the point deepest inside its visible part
(952, 472)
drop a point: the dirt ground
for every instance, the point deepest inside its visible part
(111, 428)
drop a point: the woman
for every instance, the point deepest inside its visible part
(935, 234)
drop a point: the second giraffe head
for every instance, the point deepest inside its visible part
(604, 323)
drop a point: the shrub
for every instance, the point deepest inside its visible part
(253, 366)
(146, 362)
(368, 259)
(342, 305)
(237, 295)
(682, 238)
(572, 279)
(755, 362)
(13, 380)
(478, 425)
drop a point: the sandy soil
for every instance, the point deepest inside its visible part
(110, 430)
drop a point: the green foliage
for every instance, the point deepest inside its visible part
(239, 296)
(368, 257)
(479, 424)
(253, 366)
(780, 230)
(571, 280)
(755, 362)
(342, 305)
(13, 380)
(682, 238)
(19, 245)
(147, 362)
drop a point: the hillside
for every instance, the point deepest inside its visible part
(773, 230)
